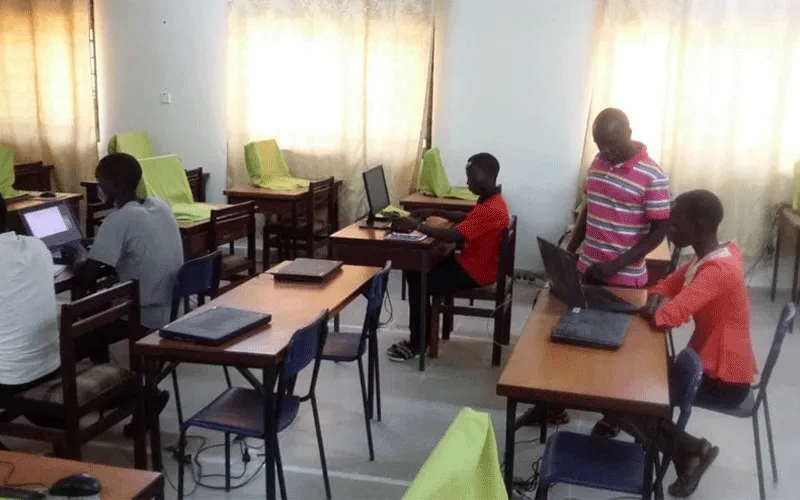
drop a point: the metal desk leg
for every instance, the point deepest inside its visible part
(508, 472)
(154, 426)
(796, 268)
(775, 262)
(423, 323)
(370, 375)
(650, 465)
(336, 323)
(270, 430)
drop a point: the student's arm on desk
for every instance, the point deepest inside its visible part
(707, 284)
(578, 233)
(443, 234)
(448, 215)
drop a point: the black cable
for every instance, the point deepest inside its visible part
(388, 307)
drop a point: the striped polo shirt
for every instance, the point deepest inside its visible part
(622, 201)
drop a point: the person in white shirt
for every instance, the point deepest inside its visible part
(29, 340)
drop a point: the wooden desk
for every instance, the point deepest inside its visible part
(369, 247)
(194, 236)
(420, 201)
(292, 305)
(117, 482)
(15, 223)
(632, 379)
(791, 221)
(269, 201)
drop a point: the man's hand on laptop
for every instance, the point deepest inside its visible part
(405, 224)
(603, 270)
(74, 254)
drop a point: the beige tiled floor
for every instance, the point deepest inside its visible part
(418, 407)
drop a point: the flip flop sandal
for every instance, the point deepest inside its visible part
(685, 485)
(533, 417)
(605, 430)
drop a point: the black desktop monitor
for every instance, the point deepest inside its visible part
(377, 192)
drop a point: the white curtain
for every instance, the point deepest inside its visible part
(340, 84)
(713, 89)
(46, 101)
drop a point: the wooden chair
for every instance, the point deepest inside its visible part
(312, 221)
(107, 390)
(33, 177)
(226, 226)
(96, 210)
(501, 294)
(197, 183)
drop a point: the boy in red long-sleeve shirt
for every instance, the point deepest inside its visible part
(711, 290)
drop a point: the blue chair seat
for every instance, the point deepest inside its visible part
(241, 411)
(593, 462)
(342, 346)
(745, 409)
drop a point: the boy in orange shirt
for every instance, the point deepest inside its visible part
(711, 290)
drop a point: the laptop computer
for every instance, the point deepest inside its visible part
(214, 326)
(592, 328)
(316, 270)
(565, 283)
(55, 224)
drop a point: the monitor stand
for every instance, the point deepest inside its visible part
(371, 223)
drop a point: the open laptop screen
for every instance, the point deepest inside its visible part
(55, 224)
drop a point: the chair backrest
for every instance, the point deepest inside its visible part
(232, 223)
(136, 144)
(264, 161)
(505, 261)
(33, 176)
(198, 276)
(432, 176)
(689, 374)
(90, 314)
(375, 295)
(304, 348)
(321, 198)
(785, 324)
(197, 183)
(165, 178)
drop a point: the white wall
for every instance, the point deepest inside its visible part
(511, 79)
(146, 47)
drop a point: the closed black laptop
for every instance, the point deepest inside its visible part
(214, 326)
(592, 328)
(307, 270)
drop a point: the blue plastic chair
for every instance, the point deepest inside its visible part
(348, 347)
(608, 464)
(240, 410)
(199, 277)
(749, 407)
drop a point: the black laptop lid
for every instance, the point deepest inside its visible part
(592, 328)
(214, 325)
(318, 269)
(565, 282)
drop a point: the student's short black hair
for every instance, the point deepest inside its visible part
(486, 163)
(702, 207)
(3, 214)
(122, 169)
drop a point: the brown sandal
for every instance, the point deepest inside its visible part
(687, 483)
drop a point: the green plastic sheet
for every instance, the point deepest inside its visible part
(433, 179)
(464, 465)
(267, 168)
(136, 144)
(164, 177)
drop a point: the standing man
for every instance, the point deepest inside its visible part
(627, 207)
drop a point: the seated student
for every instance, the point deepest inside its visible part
(140, 240)
(29, 348)
(710, 290)
(479, 231)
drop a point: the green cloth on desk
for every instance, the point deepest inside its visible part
(464, 465)
(267, 168)
(7, 176)
(136, 144)
(393, 211)
(433, 179)
(164, 177)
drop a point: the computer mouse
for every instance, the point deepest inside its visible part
(47, 194)
(76, 486)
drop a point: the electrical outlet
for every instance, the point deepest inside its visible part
(166, 98)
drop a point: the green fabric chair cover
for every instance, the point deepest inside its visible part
(267, 168)
(433, 179)
(164, 177)
(136, 144)
(464, 465)
(7, 176)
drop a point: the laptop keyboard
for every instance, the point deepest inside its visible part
(603, 300)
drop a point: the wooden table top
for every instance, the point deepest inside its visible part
(632, 378)
(355, 234)
(185, 225)
(292, 305)
(258, 193)
(117, 482)
(420, 198)
(661, 253)
(36, 200)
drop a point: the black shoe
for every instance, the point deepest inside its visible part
(161, 400)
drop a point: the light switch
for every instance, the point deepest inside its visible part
(166, 98)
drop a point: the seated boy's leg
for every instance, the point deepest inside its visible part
(445, 279)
